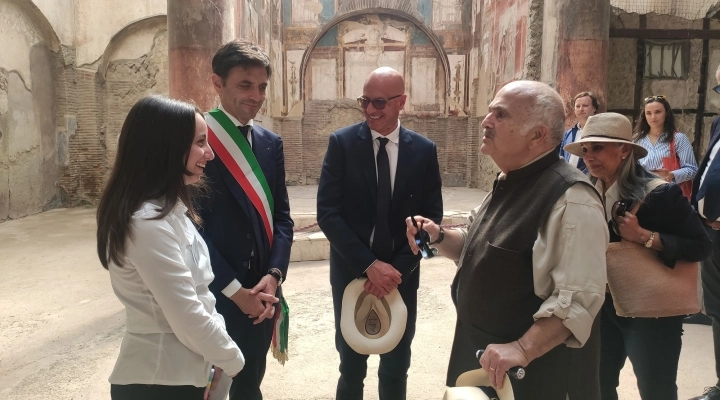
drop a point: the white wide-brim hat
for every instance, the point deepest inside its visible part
(606, 127)
(371, 325)
(467, 387)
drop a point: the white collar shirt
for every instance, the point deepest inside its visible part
(235, 122)
(391, 147)
(173, 333)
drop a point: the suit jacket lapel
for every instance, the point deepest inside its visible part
(366, 155)
(262, 148)
(405, 164)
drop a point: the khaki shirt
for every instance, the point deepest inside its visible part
(569, 269)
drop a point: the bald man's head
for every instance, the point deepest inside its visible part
(386, 76)
(546, 106)
(384, 95)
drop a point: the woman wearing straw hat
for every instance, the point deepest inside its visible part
(666, 223)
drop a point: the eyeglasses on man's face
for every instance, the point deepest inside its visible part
(653, 98)
(379, 103)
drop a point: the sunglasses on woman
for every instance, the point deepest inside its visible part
(379, 103)
(658, 97)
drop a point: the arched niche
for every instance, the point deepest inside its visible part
(358, 13)
(150, 24)
(40, 22)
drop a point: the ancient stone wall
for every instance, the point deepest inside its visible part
(29, 168)
(681, 92)
(127, 81)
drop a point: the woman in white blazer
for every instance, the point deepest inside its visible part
(158, 263)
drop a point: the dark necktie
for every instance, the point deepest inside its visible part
(254, 217)
(245, 130)
(382, 245)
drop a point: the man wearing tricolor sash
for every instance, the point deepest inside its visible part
(246, 212)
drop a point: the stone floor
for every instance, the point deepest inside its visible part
(61, 325)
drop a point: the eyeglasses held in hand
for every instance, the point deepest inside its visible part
(653, 98)
(618, 210)
(422, 240)
(717, 89)
(377, 103)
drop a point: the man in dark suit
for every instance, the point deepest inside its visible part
(706, 199)
(375, 174)
(246, 213)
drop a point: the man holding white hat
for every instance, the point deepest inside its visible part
(374, 174)
(531, 276)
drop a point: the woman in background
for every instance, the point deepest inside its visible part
(655, 131)
(158, 263)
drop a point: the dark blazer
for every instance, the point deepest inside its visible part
(227, 227)
(712, 209)
(346, 199)
(667, 211)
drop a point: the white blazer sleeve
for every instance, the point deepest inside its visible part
(157, 254)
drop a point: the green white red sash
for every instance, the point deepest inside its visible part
(229, 144)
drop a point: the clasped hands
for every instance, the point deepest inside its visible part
(258, 302)
(383, 278)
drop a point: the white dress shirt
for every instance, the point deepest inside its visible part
(173, 333)
(235, 285)
(713, 155)
(392, 148)
(569, 269)
(234, 120)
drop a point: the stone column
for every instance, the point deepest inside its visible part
(196, 29)
(576, 47)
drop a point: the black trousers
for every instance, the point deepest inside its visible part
(710, 273)
(653, 347)
(155, 392)
(392, 373)
(254, 342)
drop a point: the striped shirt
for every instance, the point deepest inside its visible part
(659, 150)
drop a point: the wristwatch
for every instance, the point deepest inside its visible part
(440, 237)
(275, 273)
(649, 242)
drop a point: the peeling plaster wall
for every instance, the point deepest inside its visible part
(61, 15)
(29, 170)
(129, 80)
(96, 21)
(502, 34)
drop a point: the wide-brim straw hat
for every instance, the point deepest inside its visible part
(606, 128)
(370, 325)
(467, 387)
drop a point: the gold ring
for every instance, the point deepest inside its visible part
(492, 369)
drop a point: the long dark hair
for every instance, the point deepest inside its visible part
(642, 128)
(151, 163)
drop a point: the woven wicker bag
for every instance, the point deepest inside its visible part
(642, 286)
